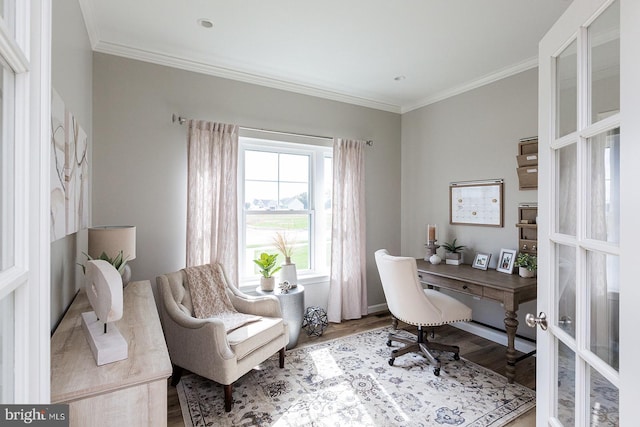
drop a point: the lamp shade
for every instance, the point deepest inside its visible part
(111, 239)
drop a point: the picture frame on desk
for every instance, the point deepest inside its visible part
(481, 261)
(506, 261)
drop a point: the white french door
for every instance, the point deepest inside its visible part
(24, 200)
(588, 183)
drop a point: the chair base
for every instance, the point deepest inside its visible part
(421, 345)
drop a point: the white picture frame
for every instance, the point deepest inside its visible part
(506, 261)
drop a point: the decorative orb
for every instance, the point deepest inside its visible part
(315, 321)
(435, 259)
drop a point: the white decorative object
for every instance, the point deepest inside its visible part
(267, 284)
(288, 273)
(111, 240)
(435, 259)
(104, 291)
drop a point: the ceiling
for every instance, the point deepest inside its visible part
(351, 51)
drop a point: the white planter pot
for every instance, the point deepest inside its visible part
(267, 284)
(523, 272)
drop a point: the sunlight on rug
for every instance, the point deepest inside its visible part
(348, 382)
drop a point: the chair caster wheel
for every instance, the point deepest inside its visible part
(389, 343)
(456, 356)
(391, 361)
(436, 372)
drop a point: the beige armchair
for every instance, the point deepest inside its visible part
(410, 303)
(203, 346)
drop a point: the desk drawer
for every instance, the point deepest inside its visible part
(454, 285)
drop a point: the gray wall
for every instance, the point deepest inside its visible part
(71, 74)
(470, 136)
(139, 157)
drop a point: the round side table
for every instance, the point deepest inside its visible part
(292, 305)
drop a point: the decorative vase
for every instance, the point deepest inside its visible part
(289, 273)
(435, 259)
(523, 272)
(267, 284)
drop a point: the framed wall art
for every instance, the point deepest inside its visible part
(477, 203)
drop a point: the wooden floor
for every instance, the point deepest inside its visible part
(472, 347)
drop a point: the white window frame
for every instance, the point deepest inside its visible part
(25, 38)
(318, 149)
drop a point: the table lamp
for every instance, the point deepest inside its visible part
(111, 240)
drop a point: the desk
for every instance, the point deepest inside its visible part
(508, 289)
(129, 392)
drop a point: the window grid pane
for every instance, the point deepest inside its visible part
(7, 346)
(566, 92)
(604, 35)
(603, 206)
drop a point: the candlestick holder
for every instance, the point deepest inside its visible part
(432, 249)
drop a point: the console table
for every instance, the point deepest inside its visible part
(129, 392)
(508, 289)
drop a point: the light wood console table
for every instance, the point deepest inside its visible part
(129, 392)
(508, 289)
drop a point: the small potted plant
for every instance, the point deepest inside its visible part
(454, 252)
(267, 265)
(527, 264)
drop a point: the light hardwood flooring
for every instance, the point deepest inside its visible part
(472, 347)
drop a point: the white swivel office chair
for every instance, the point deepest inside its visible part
(410, 303)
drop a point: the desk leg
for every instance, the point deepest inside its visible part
(511, 325)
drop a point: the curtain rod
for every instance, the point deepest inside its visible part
(182, 120)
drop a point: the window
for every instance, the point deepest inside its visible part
(284, 187)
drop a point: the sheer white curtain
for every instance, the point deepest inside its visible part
(212, 207)
(348, 285)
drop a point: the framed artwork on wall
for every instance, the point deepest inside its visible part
(506, 260)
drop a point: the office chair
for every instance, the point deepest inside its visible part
(410, 303)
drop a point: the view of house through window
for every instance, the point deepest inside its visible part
(285, 188)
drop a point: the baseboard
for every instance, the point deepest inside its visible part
(496, 336)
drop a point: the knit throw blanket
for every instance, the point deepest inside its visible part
(208, 289)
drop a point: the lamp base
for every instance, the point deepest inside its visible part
(126, 275)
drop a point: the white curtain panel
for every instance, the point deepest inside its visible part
(348, 285)
(212, 205)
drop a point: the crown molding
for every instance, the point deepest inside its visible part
(204, 68)
(88, 15)
(474, 84)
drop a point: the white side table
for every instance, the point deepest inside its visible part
(292, 304)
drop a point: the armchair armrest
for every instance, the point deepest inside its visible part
(267, 305)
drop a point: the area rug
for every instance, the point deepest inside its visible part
(348, 382)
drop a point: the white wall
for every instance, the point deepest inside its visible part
(139, 157)
(71, 74)
(470, 136)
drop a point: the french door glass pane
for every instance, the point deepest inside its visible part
(605, 401)
(566, 288)
(566, 159)
(7, 171)
(261, 230)
(603, 281)
(604, 34)
(7, 9)
(566, 92)
(604, 187)
(566, 381)
(7, 346)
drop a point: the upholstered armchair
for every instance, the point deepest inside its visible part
(204, 347)
(410, 303)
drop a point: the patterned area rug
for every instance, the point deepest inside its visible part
(348, 382)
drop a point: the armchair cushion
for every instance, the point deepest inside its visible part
(253, 336)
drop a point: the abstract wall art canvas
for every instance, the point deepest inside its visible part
(69, 172)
